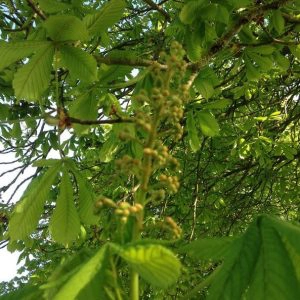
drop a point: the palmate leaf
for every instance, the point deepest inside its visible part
(208, 248)
(33, 79)
(86, 201)
(13, 51)
(85, 108)
(108, 15)
(66, 28)
(80, 64)
(28, 211)
(65, 224)
(262, 264)
(155, 263)
(274, 277)
(95, 266)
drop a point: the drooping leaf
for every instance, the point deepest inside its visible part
(194, 49)
(208, 123)
(86, 201)
(278, 21)
(109, 148)
(192, 132)
(66, 28)
(82, 277)
(108, 15)
(33, 79)
(65, 224)
(80, 64)
(190, 11)
(208, 248)
(156, 264)
(28, 211)
(13, 51)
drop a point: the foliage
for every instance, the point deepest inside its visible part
(175, 131)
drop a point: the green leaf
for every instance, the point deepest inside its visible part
(156, 264)
(33, 79)
(86, 200)
(282, 62)
(82, 277)
(13, 51)
(65, 224)
(81, 64)
(215, 12)
(278, 21)
(274, 276)
(239, 264)
(53, 6)
(208, 123)
(218, 104)
(208, 248)
(4, 111)
(264, 49)
(205, 87)
(263, 62)
(190, 11)
(66, 28)
(194, 49)
(28, 211)
(109, 148)
(192, 132)
(84, 108)
(252, 72)
(27, 292)
(109, 14)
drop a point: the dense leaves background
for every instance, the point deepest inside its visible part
(183, 140)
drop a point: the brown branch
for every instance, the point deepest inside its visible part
(138, 62)
(158, 8)
(98, 122)
(36, 9)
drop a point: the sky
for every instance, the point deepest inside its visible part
(8, 260)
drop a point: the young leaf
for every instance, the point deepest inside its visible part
(86, 273)
(33, 79)
(13, 51)
(109, 14)
(208, 123)
(192, 132)
(27, 212)
(156, 264)
(66, 28)
(81, 64)
(64, 224)
(208, 248)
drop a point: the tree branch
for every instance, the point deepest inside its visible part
(158, 8)
(37, 10)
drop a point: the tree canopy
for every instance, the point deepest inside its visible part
(175, 126)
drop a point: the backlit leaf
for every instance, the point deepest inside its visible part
(33, 79)
(80, 64)
(156, 264)
(28, 211)
(66, 28)
(107, 16)
(13, 51)
(208, 123)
